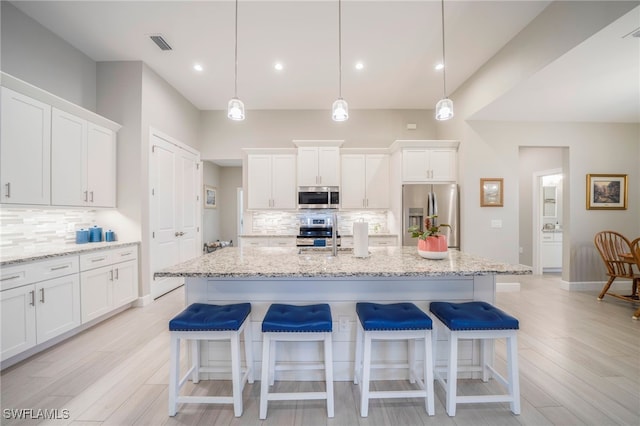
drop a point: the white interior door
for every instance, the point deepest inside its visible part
(175, 210)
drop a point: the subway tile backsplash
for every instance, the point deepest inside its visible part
(29, 227)
(287, 223)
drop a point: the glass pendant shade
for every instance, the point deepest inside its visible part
(340, 110)
(444, 109)
(235, 111)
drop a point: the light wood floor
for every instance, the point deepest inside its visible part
(579, 364)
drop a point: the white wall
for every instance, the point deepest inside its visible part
(231, 180)
(34, 54)
(223, 139)
(211, 217)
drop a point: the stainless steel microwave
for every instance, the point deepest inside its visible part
(318, 197)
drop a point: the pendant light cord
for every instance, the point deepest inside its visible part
(340, 48)
(235, 90)
(444, 67)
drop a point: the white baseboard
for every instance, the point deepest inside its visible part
(505, 287)
(142, 301)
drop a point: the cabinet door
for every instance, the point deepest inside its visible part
(125, 283)
(377, 181)
(57, 306)
(25, 149)
(259, 181)
(353, 188)
(96, 293)
(415, 165)
(101, 166)
(18, 315)
(442, 163)
(308, 174)
(329, 166)
(283, 182)
(68, 159)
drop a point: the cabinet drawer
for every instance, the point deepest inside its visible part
(255, 242)
(282, 242)
(32, 272)
(382, 241)
(95, 260)
(124, 254)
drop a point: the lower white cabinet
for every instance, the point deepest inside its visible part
(105, 288)
(35, 313)
(374, 241)
(285, 241)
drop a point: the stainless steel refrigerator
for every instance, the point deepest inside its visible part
(420, 201)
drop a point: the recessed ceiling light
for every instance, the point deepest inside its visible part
(438, 67)
(359, 65)
(198, 67)
(278, 66)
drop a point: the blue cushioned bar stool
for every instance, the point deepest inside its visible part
(295, 324)
(478, 320)
(397, 321)
(210, 322)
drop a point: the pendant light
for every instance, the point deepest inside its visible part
(235, 110)
(340, 109)
(444, 107)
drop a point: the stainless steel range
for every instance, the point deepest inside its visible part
(316, 231)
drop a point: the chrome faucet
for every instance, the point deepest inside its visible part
(334, 234)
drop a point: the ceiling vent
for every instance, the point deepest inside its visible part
(161, 42)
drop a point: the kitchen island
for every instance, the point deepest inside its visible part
(287, 275)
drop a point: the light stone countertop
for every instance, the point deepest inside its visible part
(15, 255)
(276, 262)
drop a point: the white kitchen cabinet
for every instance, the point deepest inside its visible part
(33, 313)
(271, 181)
(551, 251)
(375, 240)
(319, 166)
(365, 181)
(83, 162)
(268, 241)
(429, 165)
(25, 149)
(105, 288)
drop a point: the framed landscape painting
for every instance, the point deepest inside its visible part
(491, 192)
(606, 192)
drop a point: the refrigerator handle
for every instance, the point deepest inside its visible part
(435, 204)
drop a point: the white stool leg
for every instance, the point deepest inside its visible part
(174, 373)
(235, 375)
(328, 369)
(248, 350)
(264, 382)
(195, 360)
(452, 374)
(514, 380)
(357, 366)
(272, 361)
(485, 357)
(411, 359)
(428, 373)
(366, 374)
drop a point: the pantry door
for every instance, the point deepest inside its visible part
(175, 209)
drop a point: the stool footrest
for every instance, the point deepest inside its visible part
(397, 394)
(470, 399)
(205, 399)
(301, 366)
(296, 396)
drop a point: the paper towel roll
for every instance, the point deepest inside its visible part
(361, 239)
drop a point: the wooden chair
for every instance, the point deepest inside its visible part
(619, 258)
(635, 248)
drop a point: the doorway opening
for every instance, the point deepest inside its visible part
(547, 232)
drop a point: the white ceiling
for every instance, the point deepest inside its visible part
(398, 41)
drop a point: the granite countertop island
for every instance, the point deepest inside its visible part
(275, 262)
(266, 275)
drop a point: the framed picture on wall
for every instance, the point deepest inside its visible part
(210, 197)
(491, 192)
(606, 192)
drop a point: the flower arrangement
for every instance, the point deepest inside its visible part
(430, 228)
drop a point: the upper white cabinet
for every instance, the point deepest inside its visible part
(365, 181)
(271, 182)
(319, 166)
(25, 149)
(83, 162)
(429, 165)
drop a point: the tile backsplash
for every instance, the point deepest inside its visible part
(21, 227)
(287, 223)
